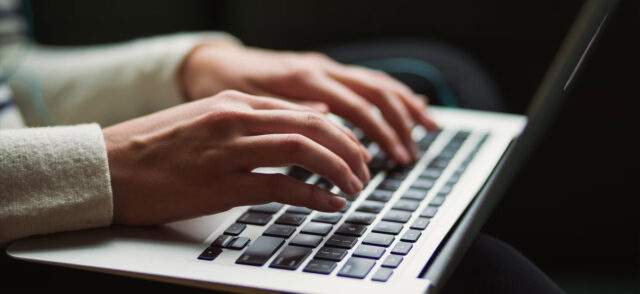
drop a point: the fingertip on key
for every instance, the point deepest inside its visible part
(402, 154)
(337, 203)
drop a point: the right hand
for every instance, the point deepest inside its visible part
(197, 158)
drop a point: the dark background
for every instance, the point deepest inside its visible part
(574, 208)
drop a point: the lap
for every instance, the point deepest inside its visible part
(492, 266)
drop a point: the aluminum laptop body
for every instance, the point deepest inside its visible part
(408, 238)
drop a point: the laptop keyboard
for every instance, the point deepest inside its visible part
(350, 228)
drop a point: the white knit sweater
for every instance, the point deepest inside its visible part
(56, 179)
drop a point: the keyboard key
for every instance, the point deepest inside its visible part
(447, 153)
(392, 261)
(331, 253)
(426, 141)
(429, 211)
(357, 268)
(319, 229)
(238, 243)
(222, 241)
(348, 229)
(453, 179)
(378, 239)
(210, 253)
(378, 163)
(299, 173)
(414, 194)
(382, 274)
(431, 173)
(411, 236)
(406, 205)
(290, 258)
(439, 162)
(397, 216)
(281, 231)
(424, 184)
(390, 184)
(437, 201)
(361, 218)
(299, 210)
(380, 195)
(400, 172)
(235, 229)
(341, 241)
(260, 250)
(291, 219)
(255, 218)
(369, 251)
(370, 206)
(306, 240)
(401, 248)
(326, 217)
(271, 207)
(446, 189)
(320, 266)
(420, 224)
(388, 228)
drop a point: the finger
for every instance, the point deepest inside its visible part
(344, 102)
(319, 106)
(416, 104)
(393, 109)
(418, 111)
(263, 188)
(352, 136)
(313, 126)
(294, 149)
(263, 102)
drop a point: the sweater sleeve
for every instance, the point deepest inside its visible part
(106, 84)
(53, 179)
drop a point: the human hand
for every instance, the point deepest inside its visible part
(348, 91)
(196, 158)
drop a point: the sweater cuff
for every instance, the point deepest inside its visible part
(170, 53)
(53, 179)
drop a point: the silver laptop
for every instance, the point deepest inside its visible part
(405, 232)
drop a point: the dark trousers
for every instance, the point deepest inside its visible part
(492, 266)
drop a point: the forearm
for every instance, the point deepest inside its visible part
(105, 84)
(53, 179)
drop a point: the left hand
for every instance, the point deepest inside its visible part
(313, 78)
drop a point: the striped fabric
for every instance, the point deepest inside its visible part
(13, 31)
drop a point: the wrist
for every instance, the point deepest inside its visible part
(197, 74)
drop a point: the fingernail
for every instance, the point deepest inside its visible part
(337, 203)
(355, 184)
(402, 153)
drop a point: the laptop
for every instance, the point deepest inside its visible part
(405, 232)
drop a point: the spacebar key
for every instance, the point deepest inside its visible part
(260, 250)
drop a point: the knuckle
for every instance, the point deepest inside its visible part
(232, 94)
(226, 118)
(314, 121)
(316, 56)
(302, 74)
(294, 144)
